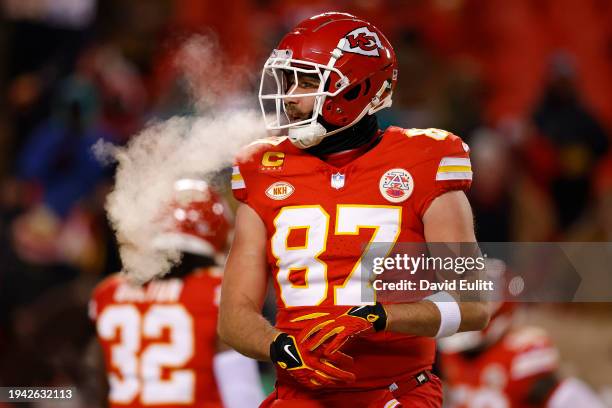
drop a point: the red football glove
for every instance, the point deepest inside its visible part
(355, 321)
(310, 369)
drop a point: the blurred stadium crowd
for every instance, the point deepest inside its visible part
(526, 83)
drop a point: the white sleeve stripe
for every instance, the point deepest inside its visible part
(235, 170)
(238, 184)
(455, 161)
(534, 362)
(454, 175)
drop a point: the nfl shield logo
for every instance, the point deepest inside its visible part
(337, 181)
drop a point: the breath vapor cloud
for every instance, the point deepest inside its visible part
(184, 146)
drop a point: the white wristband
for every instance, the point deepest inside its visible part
(450, 314)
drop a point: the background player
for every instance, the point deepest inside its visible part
(312, 200)
(508, 365)
(159, 340)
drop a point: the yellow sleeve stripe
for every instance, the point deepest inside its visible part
(237, 180)
(454, 168)
(447, 169)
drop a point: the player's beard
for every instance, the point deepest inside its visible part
(294, 114)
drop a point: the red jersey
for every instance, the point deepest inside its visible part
(159, 340)
(503, 375)
(319, 218)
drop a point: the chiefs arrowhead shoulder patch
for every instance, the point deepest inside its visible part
(396, 185)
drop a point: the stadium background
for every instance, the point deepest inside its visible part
(526, 83)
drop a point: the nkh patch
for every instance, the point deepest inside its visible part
(280, 190)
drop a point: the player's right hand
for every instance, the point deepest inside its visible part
(311, 370)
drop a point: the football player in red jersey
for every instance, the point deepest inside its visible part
(159, 340)
(508, 366)
(311, 201)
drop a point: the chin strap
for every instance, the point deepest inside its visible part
(312, 134)
(307, 136)
(376, 103)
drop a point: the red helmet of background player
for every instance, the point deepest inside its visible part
(198, 220)
(356, 66)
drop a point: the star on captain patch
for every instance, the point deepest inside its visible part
(337, 180)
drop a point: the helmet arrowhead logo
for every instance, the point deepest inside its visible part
(361, 41)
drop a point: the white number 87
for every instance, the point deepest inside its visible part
(350, 218)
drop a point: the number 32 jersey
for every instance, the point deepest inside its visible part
(159, 340)
(319, 218)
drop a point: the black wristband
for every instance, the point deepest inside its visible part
(274, 345)
(374, 314)
(284, 352)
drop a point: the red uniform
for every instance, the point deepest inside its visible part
(503, 375)
(319, 217)
(159, 340)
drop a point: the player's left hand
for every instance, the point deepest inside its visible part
(332, 333)
(311, 370)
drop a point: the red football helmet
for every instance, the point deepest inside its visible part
(198, 221)
(356, 67)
